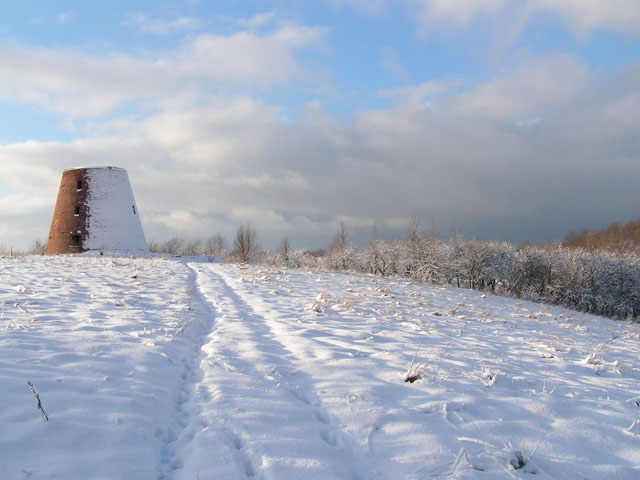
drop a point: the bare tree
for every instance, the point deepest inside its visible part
(285, 250)
(415, 229)
(193, 248)
(154, 246)
(38, 247)
(246, 244)
(342, 236)
(173, 246)
(216, 246)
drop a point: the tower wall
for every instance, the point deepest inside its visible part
(95, 210)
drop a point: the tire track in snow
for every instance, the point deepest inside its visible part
(260, 412)
(182, 427)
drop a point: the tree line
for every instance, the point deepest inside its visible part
(600, 281)
(595, 271)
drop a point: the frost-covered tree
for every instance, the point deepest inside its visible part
(475, 262)
(530, 271)
(428, 254)
(378, 257)
(340, 254)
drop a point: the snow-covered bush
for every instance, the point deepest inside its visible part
(341, 253)
(600, 282)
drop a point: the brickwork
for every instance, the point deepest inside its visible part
(69, 224)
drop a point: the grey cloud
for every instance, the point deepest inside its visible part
(234, 160)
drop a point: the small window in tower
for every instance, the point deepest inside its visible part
(79, 185)
(134, 209)
(75, 240)
(76, 211)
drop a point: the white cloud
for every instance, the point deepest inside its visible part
(419, 95)
(65, 17)
(533, 87)
(369, 7)
(21, 204)
(73, 82)
(175, 219)
(161, 26)
(257, 21)
(456, 13)
(391, 62)
(583, 16)
(586, 16)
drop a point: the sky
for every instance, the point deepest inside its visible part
(515, 120)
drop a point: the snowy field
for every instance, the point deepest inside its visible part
(156, 368)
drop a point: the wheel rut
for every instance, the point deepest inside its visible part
(180, 428)
(245, 399)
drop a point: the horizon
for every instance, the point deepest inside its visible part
(508, 120)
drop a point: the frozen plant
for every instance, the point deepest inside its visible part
(37, 395)
(414, 373)
(596, 359)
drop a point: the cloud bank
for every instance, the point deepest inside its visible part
(544, 145)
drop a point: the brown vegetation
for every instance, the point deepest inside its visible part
(617, 237)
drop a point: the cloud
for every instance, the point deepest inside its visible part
(72, 82)
(369, 7)
(22, 204)
(583, 16)
(535, 86)
(456, 13)
(257, 21)
(391, 62)
(419, 95)
(161, 26)
(508, 158)
(586, 16)
(65, 17)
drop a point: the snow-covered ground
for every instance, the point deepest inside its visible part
(157, 368)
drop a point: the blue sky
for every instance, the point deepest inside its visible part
(506, 119)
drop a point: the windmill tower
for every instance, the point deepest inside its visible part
(95, 210)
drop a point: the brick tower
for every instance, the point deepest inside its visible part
(95, 210)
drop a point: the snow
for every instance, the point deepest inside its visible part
(159, 368)
(113, 222)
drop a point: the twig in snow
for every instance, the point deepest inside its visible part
(414, 373)
(37, 395)
(489, 378)
(33, 317)
(636, 423)
(634, 426)
(462, 455)
(635, 400)
(593, 358)
(185, 326)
